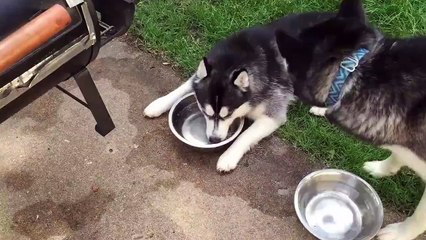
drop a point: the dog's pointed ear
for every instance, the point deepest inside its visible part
(289, 47)
(242, 81)
(352, 9)
(204, 69)
(286, 43)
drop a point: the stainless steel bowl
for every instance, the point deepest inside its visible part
(188, 124)
(338, 205)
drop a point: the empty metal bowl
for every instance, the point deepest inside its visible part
(338, 205)
(188, 124)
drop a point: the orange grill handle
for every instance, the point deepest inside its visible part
(32, 35)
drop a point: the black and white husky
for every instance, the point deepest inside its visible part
(242, 76)
(371, 86)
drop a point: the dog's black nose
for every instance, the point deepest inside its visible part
(214, 139)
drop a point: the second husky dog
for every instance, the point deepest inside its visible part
(371, 86)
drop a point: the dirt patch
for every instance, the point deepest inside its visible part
(18, 181)
(47, 218)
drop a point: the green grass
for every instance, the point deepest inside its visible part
(184, 30)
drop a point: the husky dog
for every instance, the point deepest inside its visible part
(242, 76)
(373, 87)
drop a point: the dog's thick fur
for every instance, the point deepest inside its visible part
(242, 76)
(383, 102)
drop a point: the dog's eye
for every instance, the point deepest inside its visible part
(224, 112)
(208, 110)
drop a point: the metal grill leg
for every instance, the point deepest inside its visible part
(104, 123)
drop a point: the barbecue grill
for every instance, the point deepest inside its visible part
(45, 42)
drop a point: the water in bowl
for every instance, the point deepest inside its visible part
(334, 215)
(194, 129)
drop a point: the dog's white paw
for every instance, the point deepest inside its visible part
(156, 108)
(376, 169)
(227, 162)
(380, 169)
(399, 231)
(318, 111)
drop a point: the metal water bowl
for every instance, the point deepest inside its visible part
(338, 205)
(188, 124)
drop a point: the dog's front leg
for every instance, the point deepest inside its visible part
(415, 225)
(260, 129)
(409, 229)
(163, 104)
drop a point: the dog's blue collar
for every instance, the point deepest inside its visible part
(347, 66)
